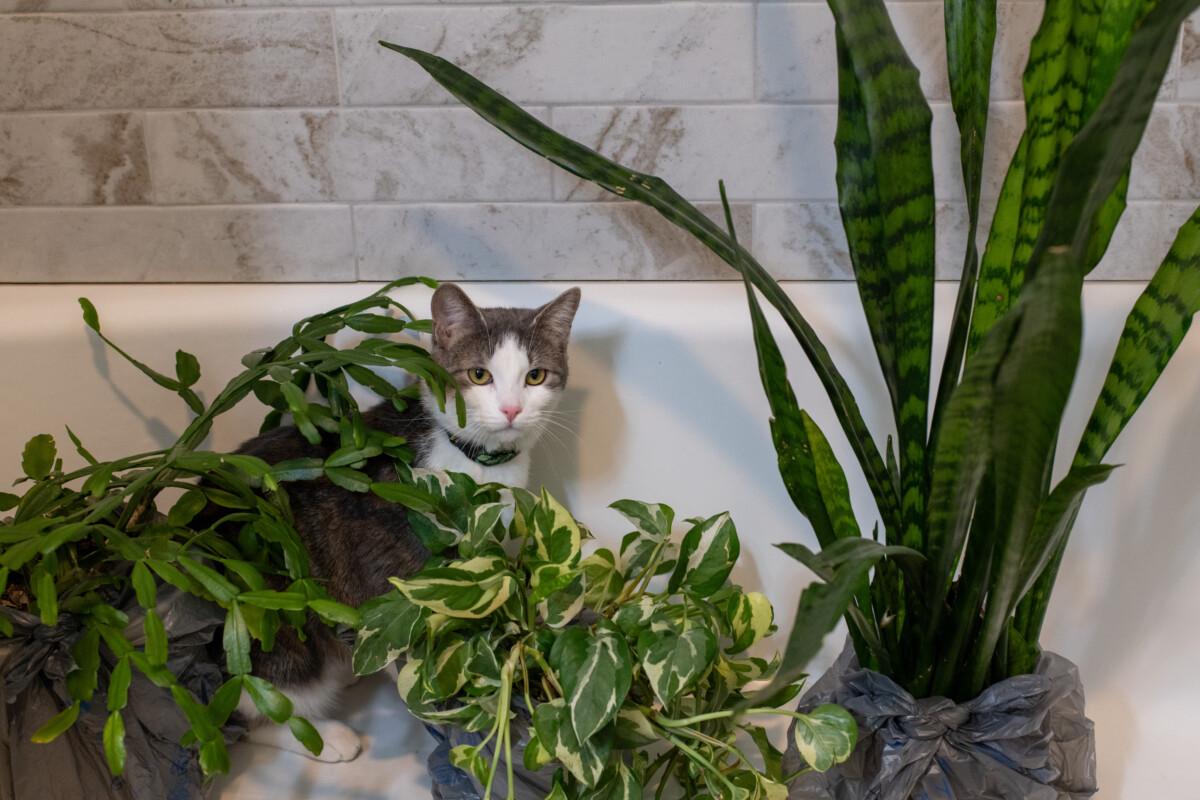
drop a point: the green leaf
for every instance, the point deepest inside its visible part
(601, 578)
(390, 625)
(555, 535)
(466, 757)
(8, 501)
(1153, 331)
(158, 674)
(706, 556)
(90, 317)
(278, 601)
(47, 598)
(821, 605)
(333, 611)
(584, 760)
(405, 495)
(673, 661)
(564, 604)
(144, 585)
(118, 685)
(632, 728)
(186, 508)
(270, 702)
(826, 736)
(187, 368)
(114, 743)
(236, 641)
(468, 589)
(298, 469)
(225, 700)
(156, 638)
(885, 192)
(306, 734)
(350, 479)
(595, 670)
(750, 617)
(652, 520)
(39, 456)
(57, 725)
(213, 582)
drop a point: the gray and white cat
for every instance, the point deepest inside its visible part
(510, 364)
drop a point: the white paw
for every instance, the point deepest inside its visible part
(341, 742)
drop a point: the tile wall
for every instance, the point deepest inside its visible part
(274, 140)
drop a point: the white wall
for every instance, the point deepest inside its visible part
(666, 405)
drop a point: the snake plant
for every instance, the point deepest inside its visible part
(973, 526)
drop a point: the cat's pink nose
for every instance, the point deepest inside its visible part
(510, 412)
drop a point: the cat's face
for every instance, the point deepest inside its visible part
(510, 364)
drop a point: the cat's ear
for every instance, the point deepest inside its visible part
(453, 314)
(554, 319)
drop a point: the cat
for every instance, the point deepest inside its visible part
(510, 364)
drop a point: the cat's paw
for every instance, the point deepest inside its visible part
(342, 743)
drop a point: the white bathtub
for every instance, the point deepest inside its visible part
(668, 408)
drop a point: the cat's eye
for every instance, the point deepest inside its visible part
(479, 376)
(535, 376)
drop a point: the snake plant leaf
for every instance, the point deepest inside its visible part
(1153, 331)
(960, 462)
(885, 190)
(649, 190)
(970, 40)
(1025, 423)
(1054, 521)
(792, 448)
(820, 606)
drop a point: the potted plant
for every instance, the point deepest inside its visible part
(966, 483)
(624, 684)
(108, 606)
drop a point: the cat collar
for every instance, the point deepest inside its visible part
(487, 458)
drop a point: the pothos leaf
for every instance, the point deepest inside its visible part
(673, 661)
(584, 760)
(826, 736)
(595, 670)
(706, 556)
(390, 625)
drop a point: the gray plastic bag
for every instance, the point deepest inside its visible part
(34, 664)
(1024, 738)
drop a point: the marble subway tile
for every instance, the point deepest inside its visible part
(547, 53)
(1166, 165)
(205, 244)
(1141, 240)
(797, 57)
(80, 159)
(273, 156)
(807, 242)
(1188, 84)
(761, 152)
(123, 61)
(572, 241)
